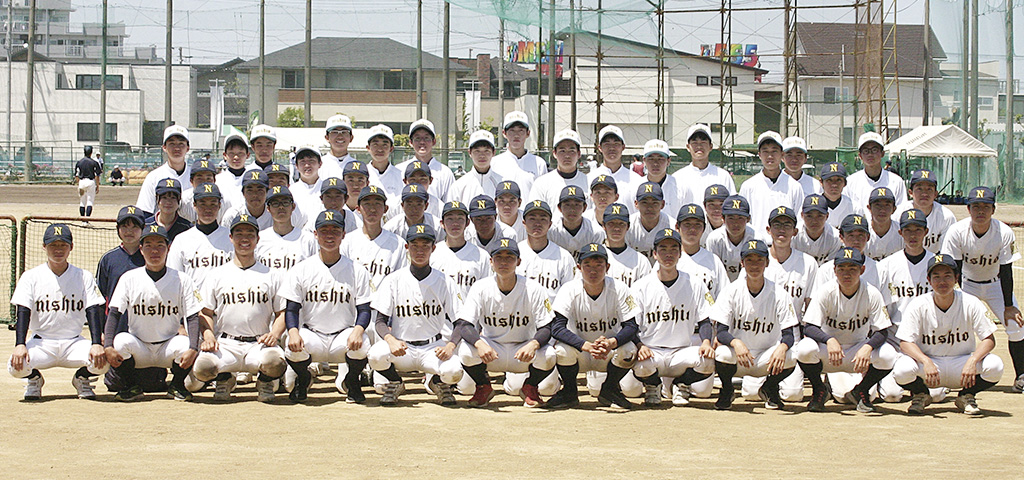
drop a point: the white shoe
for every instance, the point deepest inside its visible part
(288, 379)
(680, 395)
(34, 388)
(652, 395)
(242, 378)
(320, 368)
(222, 389)
(339, 383)
(84, 387)
(1018, 385)
(265, 391)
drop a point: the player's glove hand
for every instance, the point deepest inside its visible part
(835, 352)
(445, 352)
(969, 373)
(113, 358)
(188, 358)
(355, 339)
(527, 353)
(862, 360)
(485, 351)
(97, 356)
(931, 374)
(19, 357)
(643, 353)
(1012, 314)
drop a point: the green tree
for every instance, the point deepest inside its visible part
(292, 117)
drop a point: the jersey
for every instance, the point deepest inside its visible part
(728, 252)
(465, 266)
(419, 309)
(827, 273)
(627, 266)
(821, 248)
(155, 309)
(693, 181)
(57, 302)
(187, 208)
(551, 267)
(518, 226)
(230, 186)
(641, 239)
(850, 320)
(474, 183)
(888, 244)
(673, 196)
(982, 255)
(282, 252)
(587, 233)
(592, 318)
(949, 333)
(904, 280)
(669, 314)
(807, 182)
(307, 197)
(549, 186)
(332, 166)
(859, 186)
(766, 195)
(531, 164)
(758, 321)
(442, 177)
(844, 208)
(195, 253)
(434, 207)
(626, 183)
(244, 300)
(263, 221)
(87, 168)
(400, 226)
(328, 295)
(939, 222)
(353, 221)
(796, 276)
(147, 193)
(500, 231)
(380, 256)
(391, 179)
(507, 318)
(707, 267)
(179, 226)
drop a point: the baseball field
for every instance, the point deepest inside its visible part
(63, 437)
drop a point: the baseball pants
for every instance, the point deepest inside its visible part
(726, 354)
(673, 362)
(327, 348)
(47, 353)
(86, 192)
(543, 359)
(235, 356)
(420, 359)
(992, 294)
(162, 354)
(950, 368)
(623, 357)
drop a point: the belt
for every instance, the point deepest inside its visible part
(421, 343)
(240, 339)
(983, 283)
(307, 327)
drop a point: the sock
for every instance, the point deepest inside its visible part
(355, 368)
(178, 375)
(265, 378)
(872, 377)
(478, 373)
(569, 374)
(653, 379)
(725, 373)
(35, 374)
(391, 374)
(83, 372)
(88, 211)
(979, 385)
(691, 376)
(812, 372)
(127, 373)
(1017, 356)
(301, 369)
(772, 382)
(615, 375)
(916, 387)
(536, 376)
(81, 211)
(223, 376)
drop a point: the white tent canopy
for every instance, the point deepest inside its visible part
(940, 141)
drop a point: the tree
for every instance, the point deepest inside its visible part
(292, 117)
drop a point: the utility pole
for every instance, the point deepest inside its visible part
(445, 78)
(842, 99)
(926, 104)
(1008, 143)
(572, 58)
(263, 79)
(501, 79)
(167, 64)
(551, 76)
(10, 74)
(974, 68)
(965, 66)
(29, 88)
(419, 59)
(306, 72)
(103, 84)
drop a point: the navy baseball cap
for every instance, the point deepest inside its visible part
(372, 191)
(254, 177)
(333, 183)
(57, 232)
(200, 166)
(454, 206)
(505, 245)
(355, 167)
(482, 205)
(716, 192)
(848, 255)
(277, 169)
(571, 192)
(420, 230)
(853, 222)
(279, 192)
(168, 185)
(243, 219)
(756, 247)
(415, 190)
(815, 203)
(154, 230)
(330, 217)
(923, 176)
(604, 181)
(206, 190)
(941, 260)
(417, 166)
(130, 212)
(832, 169)
(690, 210)
(591, 250)
(668, 234)
(981, 195)
(881, 193)
(539, 205)
(649, 189)
(508, 187)
(616, 211)
(736, 205)
(913, 216)
(781, 211)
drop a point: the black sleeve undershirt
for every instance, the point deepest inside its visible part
(560, 330)
(94, 316)
(291, 315)
(1006, 283)
(722, 332)
(21, 325)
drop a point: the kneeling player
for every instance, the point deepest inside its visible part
(504, 323)
(939, 336)
(54, 300)
(846, 323)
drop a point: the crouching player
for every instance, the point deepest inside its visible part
(504, 322)
(673, 304)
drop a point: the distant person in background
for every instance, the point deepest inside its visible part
(117, 177)
(87, 173)
(99, 160)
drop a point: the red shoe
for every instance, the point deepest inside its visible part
(483, 395)
(531, 396)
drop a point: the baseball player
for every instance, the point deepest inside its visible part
(507, 201)
(885, 237)
(277, 175)
(236, 154)
(338, 133)
(262, 139)
(603, 192)
(846, 322)
(283, 245)
(356, 176)
(727, 242)
(947, 342)
(541, 259)
(573, 231)
(482, 179)
(649, 219)
(690, 223)
(714, 199)
(414, 205)
(175, 147)
(567, 154)
(816, 237)
(306, 189)
(416, 173)
(142, 322)
(206, 245)
(940, 218)
(334, 196)
(833, 181)
(611, 142)
(53, 300)
(504, 323)
(381, 145)
(754, 325)
(87, 175)
(870, 147)
(984, 251)
(168, 195)
(853, 233)
(254, 192)
(794, 157)
(240, 303)
(595, 324)
(516, 129)
(379, 251)
(202, 171)
(700, 174)
(673, 304)
(423, 139)
(769, 188)
(485, 229)
(327, 311)
(463, 262)
(625, 263)
(656, 160)
(415, 306)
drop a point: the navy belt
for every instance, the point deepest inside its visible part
(240, 339)
(421, 343)
(982, 283)
(307, 327)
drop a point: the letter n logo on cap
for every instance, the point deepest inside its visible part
(616, 209)
(648, 188)
(131, 210)
(209, 188)
(668, 232)
(781, 210)
(814, 200)
(170, 182)
(355, 165)
(833, 168)
(277, 189)
(243, 217)
(152, 229)
(925, 173)
(481, 203)
(735, 204)
(416, 165)
(752, 244)
(593, 247)
(58, 230)
(536, 203)
(857, 220)
(504, 242)
(419, 228)
(847, 253)
(328, 215)
(938, 258)
(255, 175)
(981, 194)
(506, 186)
(333, 181)
(714, 190)
(414, 188)
(912, 215)
(572, 190)
(881, 192)
(455, 204)
(692, 209)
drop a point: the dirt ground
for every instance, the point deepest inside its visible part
(63, 437)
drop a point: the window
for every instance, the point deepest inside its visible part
(400, 80)
(293, 79)
(353, 80)
(702, 80)
(717, 128)
(847, 135)
(730, 81)
(467, 85)
(985, 103)
(90, 132)
(92, 82)
(832, 94)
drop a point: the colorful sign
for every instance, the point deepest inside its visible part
(527, 52)
(738, 53)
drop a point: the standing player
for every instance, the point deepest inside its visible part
(338, 134)
(203, 171)
(816, 237)
(690, 223)
(870, 147)
(611, 142)
(205, 246)
(333, 196)
(603, 192)
(355, 176)
(726, 243)
(423, 139)
(507, 201)
(283, 245)
(516, 129)
(263, 139)
(306, 189)
(381, 145)
(833, 180)
(714, 199)
(542, 260)
(168, 195)
(984, 251)
(885, 237)
(53, 300)
(254, 192)
(567, 154)
(236, 154)
(940, 218)
(463, 262)
(485, 229)
(656, 160)
(649, 219)
(794, 157)
(88, 172)
(625, 263)
(414, 208)
(700, 174)
(482, 179)
(574, 231)
(769, 188)
(416, 173)
(379, 251)
(175, 147)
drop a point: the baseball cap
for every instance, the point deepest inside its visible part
(200, 166)
(941, 260)
(482, 205)
(698, 128)
(417, 166)
(815, 203)
(604, 180)
(481, 136)
(769, 136)
(756, 247)
(848, 255)
(794, 143)
(330, 217)
(571, 192)
(277, 169)
(832, 169)
(278, 192)
(263, 131)
(508, 187)
(913, 216)
(206, 190)
(649, 189)
(568, 134)
(424, 124)
(333, 183)
(853, 222)
(514, 117)
(154, 230)
(307, 148)
(338, 121)
(688, 211)
(616, 211)
(736, 205)
(57, 232)
(372, 191)
(716, 192)
(415, 190)
(781, 211)
(236, 137)
(656, 146)
(243, 219)
(881, 193)
(175, 131)
(420, 230)
(538, 205)
(355, 166)
(668, 234)
(981, 195)
(381, 130)
(591, 250)
(130, 212)
(868, 137)
(168, 185)
(454, 206)
(610, 130)
(254, 177)
(505, 245)
(922, 176)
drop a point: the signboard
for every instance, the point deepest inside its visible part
(527, 52)
(738, 53)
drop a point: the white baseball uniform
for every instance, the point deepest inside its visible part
(147, 193)
(766, 195)
(230, 186)
(859, 186)
(500, 231)
(796, 275)
(551, 267)
(474, 183)
(549, 186)
(400, 226)
(807, 182)
(307, 196)
(434, 207)
(728, 252)
(154, 311)
(518, 226)
(627, 266)
(694, 181)
(939, 221)
(591, 318)
(668, 317)
(626, 183)
(758, 321)
(507, 161)
(442, 177)
(888, 244)
(282, 252)
(904, 281)
(827, 273)
(844, 208)
(641, 239)
(465, 266)
(195, 253)
(588, 232)
(821, 248)
(705, 266)
(673, 192)
(380, 256)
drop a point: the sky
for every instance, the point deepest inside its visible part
(211, 32)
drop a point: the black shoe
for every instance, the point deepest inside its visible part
(179, 393)
(864, 402)
(354, 390)
(771, 399)
(130, 394)
(563, 399)
(817, 403)
(724, 401)
(614, 397)
(301, 389)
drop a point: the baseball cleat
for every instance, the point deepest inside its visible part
(918, 402)
(724, 401)
(817, 402)
(967, 404)
(265, 391)
(179, 393)
(482, 396)
(445, 395)
(83, 385)
(531, 396)
(354, 392)
(391, 392)
(563, 399)
(771, 398)
(130, 394)
(652, 395)
(242, 378)
(222, 389)
(864, 404)
(680, 395)
(615, 398)
(319, 368)
(1018, 384)
(34, 388)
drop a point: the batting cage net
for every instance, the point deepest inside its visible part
(8, 262)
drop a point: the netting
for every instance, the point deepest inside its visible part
(91, 240)
(8, 262)
(568, 16)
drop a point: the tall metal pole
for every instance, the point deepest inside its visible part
(307, 70)
(597, 84)
(787, 54)
(263, 80)
(103, 84)
(551, 75)
(926, 103)
(445, 78)
(974, 68)
(964, 65)
(1008, 143)
(842, 98)
(659, 101)
(29, 88)
(539, 52)
(572, 64)
(10, 74)
(419, 59)
(501, 78)
(167, 64)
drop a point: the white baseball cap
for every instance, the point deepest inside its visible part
(512, 118)
(307, 148)
(567, 134)
(339, 121)
(656, 146)
(769, 136)
(424, 124)
(610, 130)
(870, 137)
(175, 131)
(236, 136)
(481, 136)
(794, 143)
(263, 131)
(699, 127)
(381, 130)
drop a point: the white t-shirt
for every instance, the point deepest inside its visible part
(821, 248)
(195, 253)
(888, 244)
(859, 186)
(765, 195)
(552, 267)
(983, 255)
(57, 302)
(465, 266)
(758, 321)
(243, 299)
(380, 256)
(282, 252)
(328, 295)
(549, 186)
(155, 309)
(442, 177)
(947, 333)
(641, 239)
(147, 193)
(419, 309)
(694, 181)
(591, 318)
(512, 318)
(848, 320)
(905, 281)
(669, 315)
